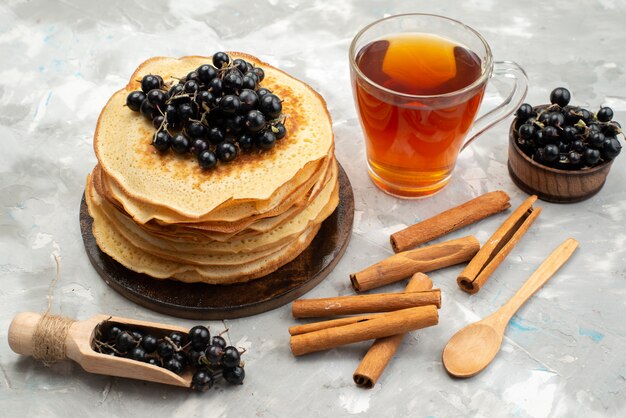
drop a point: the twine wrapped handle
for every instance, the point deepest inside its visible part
(40, 336)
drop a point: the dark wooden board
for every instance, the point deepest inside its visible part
(205, 301)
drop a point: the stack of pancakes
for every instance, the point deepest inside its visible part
(161, 214)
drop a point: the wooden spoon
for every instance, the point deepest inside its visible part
(472, 348)
(79, 343)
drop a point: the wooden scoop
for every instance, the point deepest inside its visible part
(472, 348)
(79, 343)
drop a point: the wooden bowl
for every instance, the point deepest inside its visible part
(552, 184)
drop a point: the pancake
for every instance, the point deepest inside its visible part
(121, 250)
(162, 215)
(123, 147)
(229, 212)
(182, 234)
(205, 252)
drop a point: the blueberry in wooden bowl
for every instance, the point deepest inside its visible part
(562, 153)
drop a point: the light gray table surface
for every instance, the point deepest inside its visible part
(564, 353)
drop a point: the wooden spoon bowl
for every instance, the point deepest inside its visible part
(473, 348)
(79, 345)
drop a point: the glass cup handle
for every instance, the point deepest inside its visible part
(515, 98)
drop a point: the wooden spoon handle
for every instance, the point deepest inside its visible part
(539, 277)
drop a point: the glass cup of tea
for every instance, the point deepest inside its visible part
(418, 81)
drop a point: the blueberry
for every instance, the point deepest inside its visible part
(226, 152)
(150, 82)
(234, 124)
(265, 140)
(596, 139)
(205, 97)
(574, 157)
(262, 92)
(157, 122)
(230, 104)
(206, 73)
(216, 135)
(245, 141)
(200, 337)
(586, 116)
(216, 86)
(165, 349)
(556, 119)
(611, 148)
(162, 140)
(171, 115)
(194, 357)
(186, 111)
(572, 116)
(148, 110)
(605, 114)
(124, 341)
(550, 134)
(259, 73)
(279, 130)
(231, 357)
(192, 75)
(139, 354)
(611, 129)
(149, 343)
(220, 59)
(154, 361)
(578, 146)
(591, 157)
(232, 82)
(219, 341)
(568, 134)
(177, 338)
(173, 365)
(134, 100)
(249, 99)
(526, 131)
(593, 127)
(255, 120)
(253, 76)
(202, 380)
(214, 354)
(241, 65)
(560, 96)
(207, 160)
(113, 332)
(551, 153)
(271, 105)
(198, 146)
(191, 86)
(524, 112)
(248, 82)
(234, 375)
(157, 97)
(180, 356)
(176, 91)
(180, 144)
(196, 130)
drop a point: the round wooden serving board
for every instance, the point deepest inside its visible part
(206, 301)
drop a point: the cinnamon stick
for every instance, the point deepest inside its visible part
(450, 220)
(316, 326)
(418, 282)
(347, 305)
(498, 246)
(424, 259)
(397, 322)
(383, 349)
